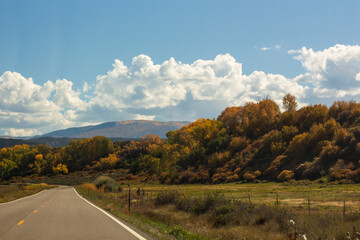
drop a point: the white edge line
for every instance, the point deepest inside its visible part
(113, 218)
(23, 198)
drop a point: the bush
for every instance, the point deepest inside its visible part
(185, 204)
(285, 175)
(88, 186)
(105, 182)
(248, 214)
(340, 174)
(166, 197)
(249, 176)
(110, 186)
(232, 178)
(223, 215)
(200, 205)
(207, 202)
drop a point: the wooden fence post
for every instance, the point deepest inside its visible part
(309, 205)
(129, 197)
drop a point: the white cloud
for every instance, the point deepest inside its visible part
(85, 87)
(357, 77)
(27, 107)
(172, 90)
(332, 71)
(20, 132)
(144, 117)
(65, 97)
(147, 85)
(277, 47)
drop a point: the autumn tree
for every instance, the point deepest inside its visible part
(259, 118)
(289, 103)
(231, 118)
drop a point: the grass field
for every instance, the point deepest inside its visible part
(240, 211)
(14, 191)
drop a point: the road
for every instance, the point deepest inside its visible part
(60, 213)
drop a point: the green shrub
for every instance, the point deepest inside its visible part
(185, 204)
(166, 197)
(110, 186)
(106, 182)
(208, 202)
(200, 205)
(248, 214)
(223, 215)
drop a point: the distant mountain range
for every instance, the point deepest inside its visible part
(124, 130)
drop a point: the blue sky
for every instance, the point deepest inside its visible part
(66, 46)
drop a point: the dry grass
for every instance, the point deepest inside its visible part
(89, 186)
(166, 222)
(15, 191)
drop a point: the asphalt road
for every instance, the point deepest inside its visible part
(60, 213)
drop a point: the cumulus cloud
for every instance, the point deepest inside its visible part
(333, 72)
(26, 107)
(172, 90)
(148, 85)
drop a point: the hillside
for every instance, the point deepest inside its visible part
(123, 129)
(50, 141)
(246, 143)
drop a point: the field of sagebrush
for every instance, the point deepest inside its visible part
(318, 210)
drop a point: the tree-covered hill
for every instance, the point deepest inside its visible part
(252, 142)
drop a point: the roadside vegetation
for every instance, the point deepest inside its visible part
(14, 191)
(236, 211)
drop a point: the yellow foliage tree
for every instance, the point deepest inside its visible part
(60, 169)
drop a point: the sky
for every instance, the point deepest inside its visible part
(73, 63)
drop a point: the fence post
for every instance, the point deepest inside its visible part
(277, 199)
(344, 209)
(249, 198)
(309, 205)
(129, 198)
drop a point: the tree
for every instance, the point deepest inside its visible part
(289, 103)
(60, 169)
(7, 168)
(231, 117)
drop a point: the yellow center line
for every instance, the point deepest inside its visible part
(35, 211)
(21, 222)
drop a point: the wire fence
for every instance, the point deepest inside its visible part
(301, 202)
